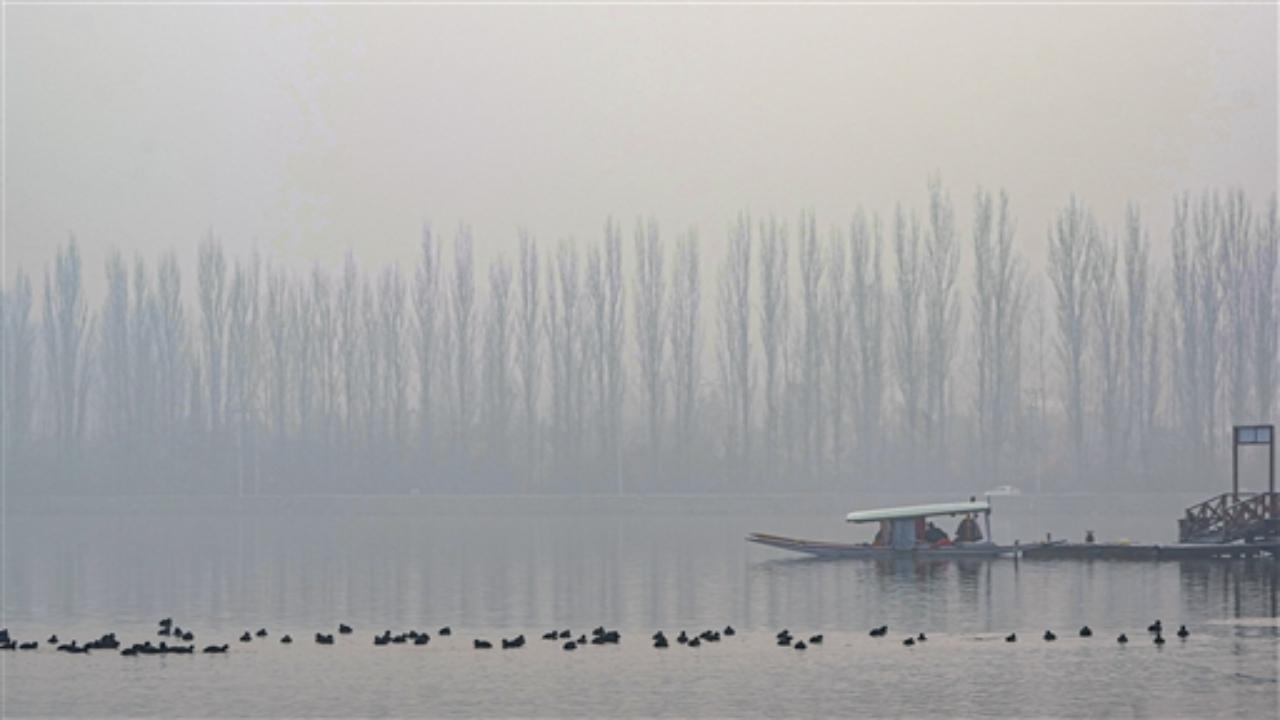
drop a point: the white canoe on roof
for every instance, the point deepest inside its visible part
(915, 511)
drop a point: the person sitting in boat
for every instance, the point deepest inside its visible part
(935, 535)
(968, 530)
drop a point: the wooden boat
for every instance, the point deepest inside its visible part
(899, 535)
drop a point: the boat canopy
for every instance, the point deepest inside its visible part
(918, 511)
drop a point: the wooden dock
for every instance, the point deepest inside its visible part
(1146, 551)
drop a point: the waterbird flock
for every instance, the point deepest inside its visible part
(598, 636)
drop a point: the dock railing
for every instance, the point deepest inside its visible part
(1231, 516)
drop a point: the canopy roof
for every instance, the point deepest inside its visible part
(915, 511)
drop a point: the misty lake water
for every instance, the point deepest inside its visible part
(493, 568)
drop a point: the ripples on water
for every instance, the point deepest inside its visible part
(493, 570)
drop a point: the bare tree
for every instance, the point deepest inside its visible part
(1266, 251)
(1072, 238)
(18, 381)
(68, 333)
(998, 302)
(242, 361)
(427, 326)
(837, 312)
(462, 299)
(650, 292)
(169, 321)
(686, 347)
(1206, 227)
(605, 335)
(1108, 346)
(811, 381)
(349, 347)
(1139, 329)
(737, 376)
(907, 340)
(145, 373)
(564, 339)
(370, 363)
(774, 333)
(942, 317)
(497, 364)
(528, 351)
(279, 347)
(1235, 223)
(211, 285)
(868, 306)
(1186, 357)
(302, 394)
(325, 356)
(117, 377)
(395, 386)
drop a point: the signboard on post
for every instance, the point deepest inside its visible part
(1253, 435)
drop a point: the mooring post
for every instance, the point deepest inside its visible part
(1271, 459)
(1235, 464)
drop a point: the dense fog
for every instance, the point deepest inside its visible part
(894, 350)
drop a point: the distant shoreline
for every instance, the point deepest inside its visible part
(543, 504)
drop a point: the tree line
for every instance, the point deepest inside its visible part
(861, 358)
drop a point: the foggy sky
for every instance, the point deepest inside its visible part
(307, 131)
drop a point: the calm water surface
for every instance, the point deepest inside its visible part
(491, 571)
